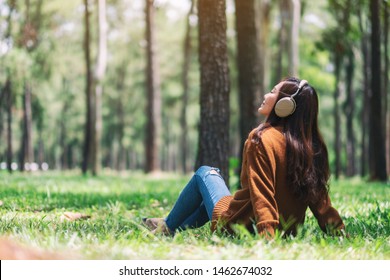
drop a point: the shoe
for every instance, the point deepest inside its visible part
(152, 223)
(157, 226)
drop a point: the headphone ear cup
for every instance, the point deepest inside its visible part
(285, 107)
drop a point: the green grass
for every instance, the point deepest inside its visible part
(33, 205)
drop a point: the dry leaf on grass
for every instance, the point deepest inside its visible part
(1, 203)
(70, 216)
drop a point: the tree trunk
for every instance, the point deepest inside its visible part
(378, 170)
(295, 10)
(120, 86)
(248, 68)
(386, 16)
(7, 92)
(213, 138)
(2, 96)
(88, 91)
(153, 128)
(28, 124)
(1, 118)
(349, 109)
(183, 116)
(26, 152)
(165, 163)
(365, 114)
(64, 147)
(121, 135)
(41, 149)
(29, 41)
(262, 18)
(9, 105)
(63, 135)
(281, 70)
(98, 89)
(337, 133)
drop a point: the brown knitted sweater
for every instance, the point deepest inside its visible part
(264, 199)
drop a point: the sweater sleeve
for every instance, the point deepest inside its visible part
(261, 183)
(328, 218)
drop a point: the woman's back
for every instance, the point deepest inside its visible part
(265, 198)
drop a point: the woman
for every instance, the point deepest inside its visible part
(285, 170)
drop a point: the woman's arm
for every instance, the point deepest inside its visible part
(261, 182)
(328, 218)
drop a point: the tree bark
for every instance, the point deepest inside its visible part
(248, 69)
(377, 140)
(263, 10)
(349, 109)
(365, 114)
(41, 149)
(9, 105)
(121, 135)
(7, 85)
(187, 50)
(378, 170)
(29, 41)
(153, 128)
(98, 89)
(337, 132)
(63, 129)
(1, 116)
(2, 96)
(295, 10)
(119, 108)
(386, 16)
(26, 151)
(7, 93)
(88, 91)
(213, 148)
(281, 69)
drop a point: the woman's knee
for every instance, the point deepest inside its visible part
(205, 169)
(202, 170)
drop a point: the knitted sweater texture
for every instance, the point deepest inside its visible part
(264, 200)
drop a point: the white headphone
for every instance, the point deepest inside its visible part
(286, 106)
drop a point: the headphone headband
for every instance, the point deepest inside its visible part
(300, 86)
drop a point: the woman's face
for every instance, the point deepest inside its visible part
(270, 100)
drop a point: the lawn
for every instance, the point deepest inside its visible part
(33, 207)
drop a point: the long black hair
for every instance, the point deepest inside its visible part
(306, 153)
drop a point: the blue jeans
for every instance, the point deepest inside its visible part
(196, 202)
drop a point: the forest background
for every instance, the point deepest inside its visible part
(170, 85)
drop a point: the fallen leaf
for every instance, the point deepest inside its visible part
(70, 216)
